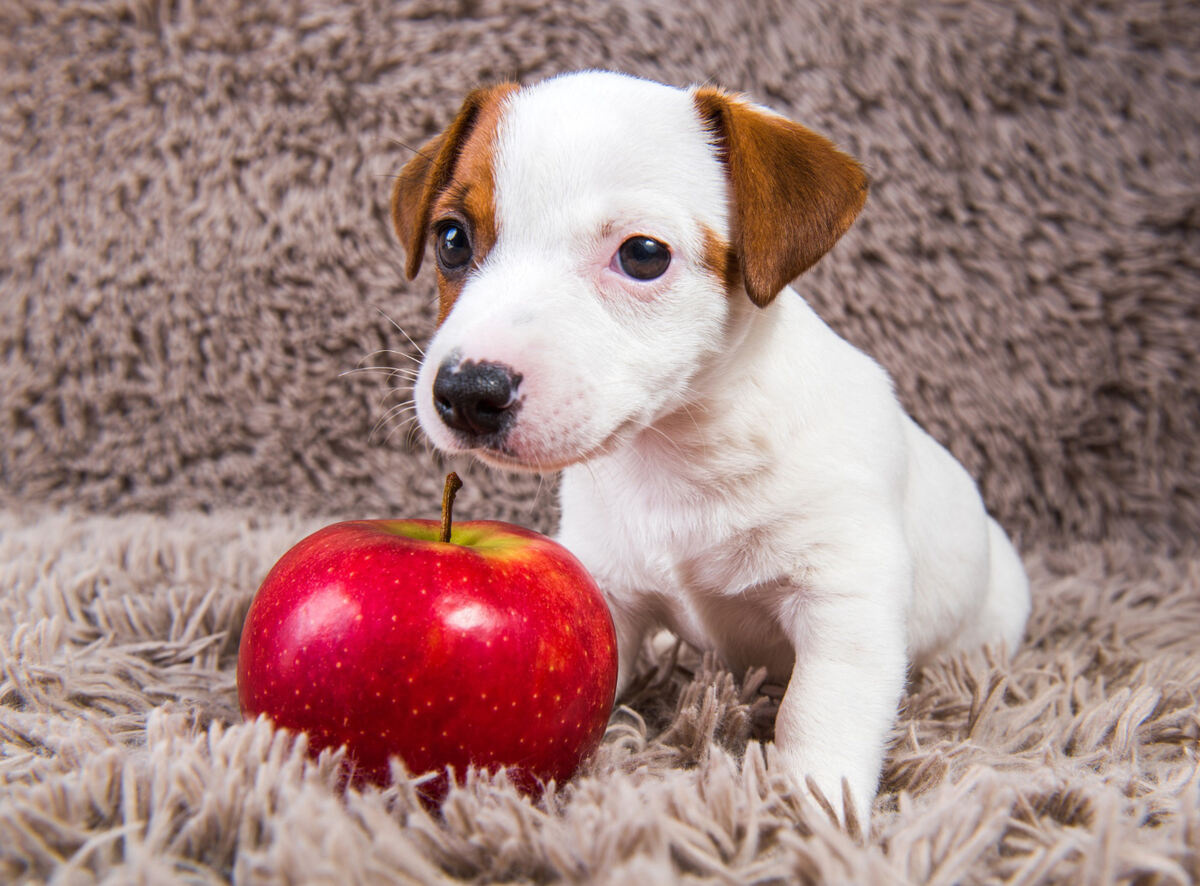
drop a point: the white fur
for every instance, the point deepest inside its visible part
(740, 475)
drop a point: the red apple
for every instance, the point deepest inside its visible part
(494, 649)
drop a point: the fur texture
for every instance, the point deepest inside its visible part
(194, 235)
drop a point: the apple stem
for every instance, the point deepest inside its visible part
(453, 484)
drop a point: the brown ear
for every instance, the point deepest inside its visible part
(794, 194)
(426, 175)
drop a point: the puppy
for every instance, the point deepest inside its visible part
(613, 258)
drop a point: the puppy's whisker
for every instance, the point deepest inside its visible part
(390, 371)
(402, 388)
(401, 372)
(402, 426)
(407, 425)
(399, 410)
(393, 352)
(414, 434)
(541, 487)
(399, 397)
(392, 414)
(396, 411)
(389, 352)
(400, 329)
(391, 433)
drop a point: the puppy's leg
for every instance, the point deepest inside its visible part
(630, 620)
(1007, 608)
(848, 630)
(631, 632)
(1000, 621)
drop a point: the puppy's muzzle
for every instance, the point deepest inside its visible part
(479, 400)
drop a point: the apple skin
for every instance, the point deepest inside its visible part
(495, 649)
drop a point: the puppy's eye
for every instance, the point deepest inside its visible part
(453, 246)
(644, 258)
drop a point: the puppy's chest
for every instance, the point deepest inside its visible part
(695, 551)
(677, 524)
(713, 583)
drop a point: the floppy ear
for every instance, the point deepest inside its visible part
(426, 175)
(794, 194)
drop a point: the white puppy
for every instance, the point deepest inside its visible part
(613, 258)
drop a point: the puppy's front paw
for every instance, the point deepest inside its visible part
(846, 800)
(841, 808)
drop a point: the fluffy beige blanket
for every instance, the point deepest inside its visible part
(195, 251)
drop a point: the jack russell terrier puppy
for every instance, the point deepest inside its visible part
(613, 258)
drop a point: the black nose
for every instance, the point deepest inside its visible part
(476, 398)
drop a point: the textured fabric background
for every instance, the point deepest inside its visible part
(195, 254)
(195, 239)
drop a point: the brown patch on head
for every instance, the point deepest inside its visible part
(794, 194)
(720, 260)
(452, 178)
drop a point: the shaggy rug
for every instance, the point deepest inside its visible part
(206, 335)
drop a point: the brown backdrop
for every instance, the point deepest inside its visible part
(194, 243)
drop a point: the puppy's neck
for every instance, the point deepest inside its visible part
(725, 429)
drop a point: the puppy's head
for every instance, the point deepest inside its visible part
(593, 235)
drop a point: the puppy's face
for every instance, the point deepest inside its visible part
(590, 244)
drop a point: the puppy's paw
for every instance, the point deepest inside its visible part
(842, 809)
(832, 791)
